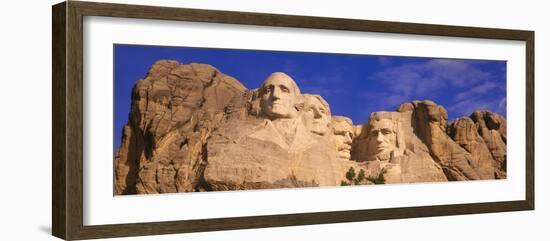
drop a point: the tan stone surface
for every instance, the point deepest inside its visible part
(409, 158)
(193, 128)
(464, 132)
(343, 132)
(173, 111)
(429, 121)
(492, 128)
(381, 138)
(285, 145)
(483, 135)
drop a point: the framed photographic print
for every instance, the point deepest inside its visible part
(171, 120)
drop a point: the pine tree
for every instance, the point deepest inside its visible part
(350, 175)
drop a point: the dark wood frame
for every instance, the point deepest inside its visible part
(67, 59)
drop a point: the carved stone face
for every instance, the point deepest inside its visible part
(382, 139)
(316, 114)
(342, 137)
(278, 96)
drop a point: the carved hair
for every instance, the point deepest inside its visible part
(307, 99)
(293, 84)
(338, 118)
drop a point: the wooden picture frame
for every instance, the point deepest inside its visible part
(67, 152)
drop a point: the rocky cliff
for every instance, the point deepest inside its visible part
(193, 128)
(174, 110)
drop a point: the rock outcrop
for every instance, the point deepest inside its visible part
(192, 128)
(403, 159)
(284, 141)
(429, 121)
(174, 110)
(483, 135)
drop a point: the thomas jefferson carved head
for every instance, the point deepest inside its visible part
(279, 95)
(316, 114)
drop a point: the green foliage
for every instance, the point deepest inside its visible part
(378, 179)
(360, 177)
(354, 179)
(350, 175)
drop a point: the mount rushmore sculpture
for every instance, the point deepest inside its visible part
(192, 128)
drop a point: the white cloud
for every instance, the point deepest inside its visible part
(477, 90)
(429, 76)
(468, 106)
(435, 78)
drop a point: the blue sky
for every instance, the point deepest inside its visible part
(353, 85)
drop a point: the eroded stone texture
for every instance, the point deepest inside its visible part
(429, 122)
(193, 128)
(492, 128)
(388, 146)
(285, 145)
(483, 135)
(464, 132)
(415, 144)
(173, 111)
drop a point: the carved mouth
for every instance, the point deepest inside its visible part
(381, 148)
(344, 155)
(344, 148)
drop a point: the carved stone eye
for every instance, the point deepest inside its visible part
(267, 89)
(285, 89)
(386, 132)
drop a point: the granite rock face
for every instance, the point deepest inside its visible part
(282, 140)
(483, 135)
(192, 128)
(388, 145)
(173, 112)
(429, 121)
(492, 128)
(415, 144)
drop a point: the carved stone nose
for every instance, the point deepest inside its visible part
(379, 137)
(347, 140)
(317, 114)
(276, 92)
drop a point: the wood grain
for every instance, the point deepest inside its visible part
(59, 181)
